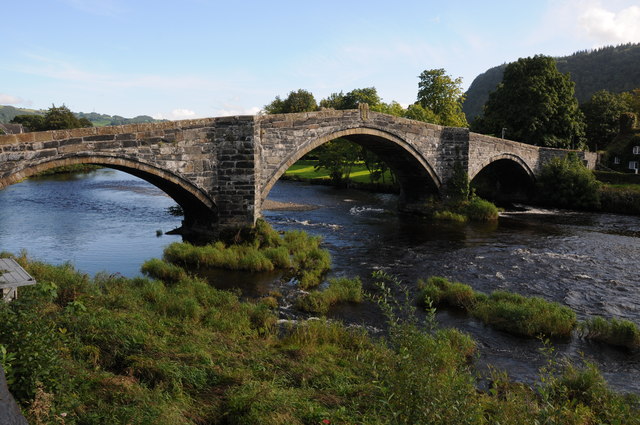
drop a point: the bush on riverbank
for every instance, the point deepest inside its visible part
(261, 249)
(621, 200)
(340, 290)
(140, 351)
(567, 183)
(513, 313)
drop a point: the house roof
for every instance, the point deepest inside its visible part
(12, 128)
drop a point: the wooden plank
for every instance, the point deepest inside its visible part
(13, 275)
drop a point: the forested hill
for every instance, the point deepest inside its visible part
(615, 69)
(7, 113)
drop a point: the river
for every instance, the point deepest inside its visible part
(110, 221)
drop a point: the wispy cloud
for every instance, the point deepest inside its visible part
(58, 69)
(7, 99)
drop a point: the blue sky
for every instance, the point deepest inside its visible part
(201, 58)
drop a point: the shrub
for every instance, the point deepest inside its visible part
(526, 316)
(622, 333)
(567, 183)
(620, 200)
(478, 209)
(339, 290)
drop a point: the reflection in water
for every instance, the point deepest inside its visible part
(107, 220)
(104, 220)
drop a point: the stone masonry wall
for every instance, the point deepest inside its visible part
(222, 169)
(284, 138)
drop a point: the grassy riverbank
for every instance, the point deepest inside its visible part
(112, 350)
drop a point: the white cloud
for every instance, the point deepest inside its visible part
(177, 114)
(611, 27)
(232, 110)
(8, 99)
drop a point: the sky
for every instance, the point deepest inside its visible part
(203, 58)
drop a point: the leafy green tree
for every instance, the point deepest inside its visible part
(443, 96)
(419, 113)
(56, 118)
(632, 99)
(297, 101)
(567, 183)
(368, 95)
(30, 122)
(602, 118)
(536, 104)
(338, 156)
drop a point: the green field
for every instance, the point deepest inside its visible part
(305, 170)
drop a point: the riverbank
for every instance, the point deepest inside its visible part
(117, 350)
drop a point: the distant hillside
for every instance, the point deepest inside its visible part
(7, 113)
(615, 69)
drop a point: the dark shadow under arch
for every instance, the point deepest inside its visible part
(417, 178)
(199, 210)
(504, 179)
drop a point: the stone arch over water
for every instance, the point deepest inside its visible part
(504, 177)
(198, 208)
(416, 176)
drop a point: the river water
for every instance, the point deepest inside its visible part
(110, 221)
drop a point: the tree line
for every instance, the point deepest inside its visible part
(439, 101)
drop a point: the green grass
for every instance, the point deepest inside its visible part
(526, 316)
(509, 312)
(621, 333)
(339, 291)
(112, 350)
(261, 250)
(305, 170)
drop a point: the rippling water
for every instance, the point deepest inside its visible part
(108, 220)
(590, 262)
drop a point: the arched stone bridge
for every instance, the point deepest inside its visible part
(220, 170)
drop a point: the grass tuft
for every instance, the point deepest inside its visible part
(621, 333)
(339, 290)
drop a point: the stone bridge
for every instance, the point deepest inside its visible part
(220, 170)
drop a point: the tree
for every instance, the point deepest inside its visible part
(56, 118)
(536, 104)
(338, 156)
(368, 95)
(420, 113)
(30, 122)
(602, 118)
(297, 101)
(443, 96)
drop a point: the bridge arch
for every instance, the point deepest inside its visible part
(503, 177)
(198, 208)
(416, 176)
